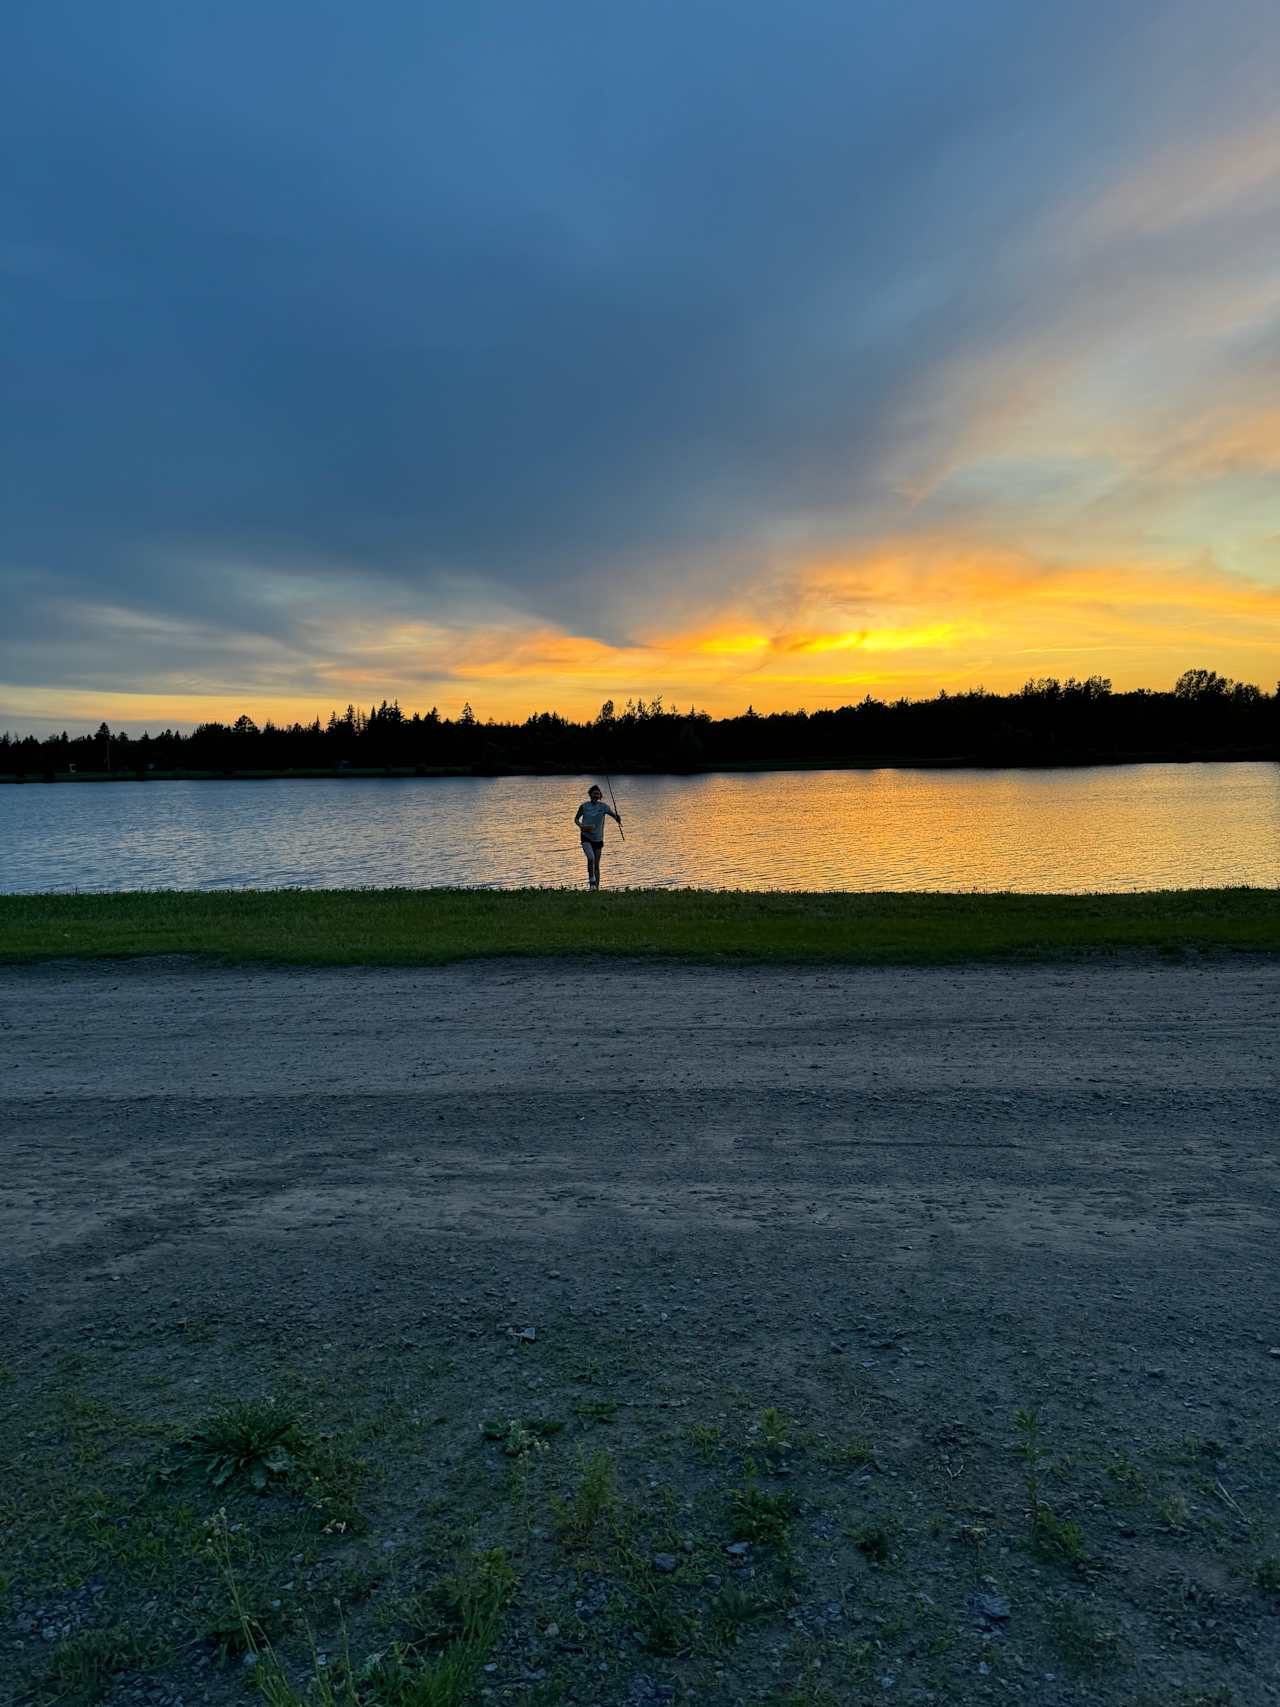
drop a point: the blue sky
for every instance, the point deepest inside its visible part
(528, 353)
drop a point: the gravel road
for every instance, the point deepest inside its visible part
(977, 1188)
(1024, 1138)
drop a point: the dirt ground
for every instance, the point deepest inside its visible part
(789, 1249)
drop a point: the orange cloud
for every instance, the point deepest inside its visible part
(1229, 438)
(728, 645)
(1189, 183)
(927, 637)
(903, 617)
(927, 573)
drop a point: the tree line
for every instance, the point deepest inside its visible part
(1204, 715)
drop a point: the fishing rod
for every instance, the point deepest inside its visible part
(621, 831)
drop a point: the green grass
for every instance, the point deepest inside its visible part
(551, 1577)
(592, 1502)
(405, 927)
(1083, 1644)
(82, 1668)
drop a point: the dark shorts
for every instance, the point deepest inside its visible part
(597, 848)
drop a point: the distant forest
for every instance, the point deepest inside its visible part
(1048, 722)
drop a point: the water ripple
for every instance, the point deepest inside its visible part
(1101, 828)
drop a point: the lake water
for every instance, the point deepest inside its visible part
(1101, 828)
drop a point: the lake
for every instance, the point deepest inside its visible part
(1153, 826)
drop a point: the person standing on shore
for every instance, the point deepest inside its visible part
(590, 818)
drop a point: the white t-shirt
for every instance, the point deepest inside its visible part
(591, 817)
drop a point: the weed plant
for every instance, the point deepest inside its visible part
(521, 1437)
(250, 1439)
(873, 1541)
(1084, 1645)
(83, 1667)
(451, 1629)
(593, 1501)
(732, 1609)
(1052, 1537)
(758, 1516)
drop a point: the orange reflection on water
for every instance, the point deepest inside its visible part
(1122, 828)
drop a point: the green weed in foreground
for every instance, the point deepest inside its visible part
(451, 1629)
(471, 1604)
(432, 926)
(1127, 1477)
(664, 1628)
(463, 1607)
(592, 1501)
(873, 1541)
(520, 1437)
(1219, 1697)
(808, 1691)
(758, 1516)
(707, 1439)
(83, 1667)
(1173, 1512)
(593, 1412)
(1083, 1644)
(243, 1625)
(1052, 1537)
(853, 1453)
(731, 1610)
(331, 1480)
(776, 1429)
(252, 1439)
(1057, 1538)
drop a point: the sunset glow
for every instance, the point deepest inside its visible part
(932, 618)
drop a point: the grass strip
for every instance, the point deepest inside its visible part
(413, 927)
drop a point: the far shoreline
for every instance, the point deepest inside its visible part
(741, 767)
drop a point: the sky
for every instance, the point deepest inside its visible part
(533, 354)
